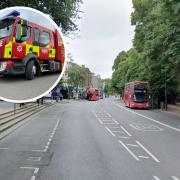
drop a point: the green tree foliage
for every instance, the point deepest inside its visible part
(108, 89)
(77, 75)
(156, 52)
(63, 12)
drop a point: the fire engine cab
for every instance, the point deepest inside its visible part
(28, 48)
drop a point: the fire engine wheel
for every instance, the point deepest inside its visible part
(30, 70)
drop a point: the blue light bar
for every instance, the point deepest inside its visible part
(14, 13)
(11, 14)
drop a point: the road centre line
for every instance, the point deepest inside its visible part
(125, 131)
(147, 151)
(110, 131)
(151, 119)
(130, 152)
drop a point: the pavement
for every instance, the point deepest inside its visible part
(18, 88)
(102, 140)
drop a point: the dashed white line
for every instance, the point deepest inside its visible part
(3, 148)
(110, 131)
(125, 131)
(147, 151)
(130, 152)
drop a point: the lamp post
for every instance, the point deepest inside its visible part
(165, 92)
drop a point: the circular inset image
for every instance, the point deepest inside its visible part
(32, 54)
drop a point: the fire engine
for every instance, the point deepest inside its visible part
(28, 48)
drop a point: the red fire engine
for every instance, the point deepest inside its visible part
(136, 94)
(28, 48)
(92, 94)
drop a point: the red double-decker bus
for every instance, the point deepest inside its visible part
(136, 94)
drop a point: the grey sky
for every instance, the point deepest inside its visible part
(105, 30)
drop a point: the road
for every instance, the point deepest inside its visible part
(101, 140)
(18, 88)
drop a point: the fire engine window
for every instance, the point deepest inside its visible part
(36, 36)
(45, 38)
(18, 33)
(6, 27)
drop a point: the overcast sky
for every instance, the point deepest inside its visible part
(105, 30)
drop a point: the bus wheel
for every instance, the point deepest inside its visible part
(30, 70)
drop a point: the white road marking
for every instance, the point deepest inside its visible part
(175, 178)
(124, 137)
(144, 157)
(110, 131)
(108, 114)
(48, 143)
(118, 132)
(99, 120)
(28, 167)
(109, 123)
(33, 177)
(130, 152)
(115, 127)
(125, 131)
(34, 158)
(106, 120)
(4, 148)
(38, 150)
(151, 119)
(115, 121)
(36, 170)
(147, 151)
(156, 178)
(133, 145)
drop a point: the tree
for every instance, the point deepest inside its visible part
(76, 75)
(63, 12)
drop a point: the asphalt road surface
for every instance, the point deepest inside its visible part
(18, 88)
(100, 140)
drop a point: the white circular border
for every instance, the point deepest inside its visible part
(65, 62)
